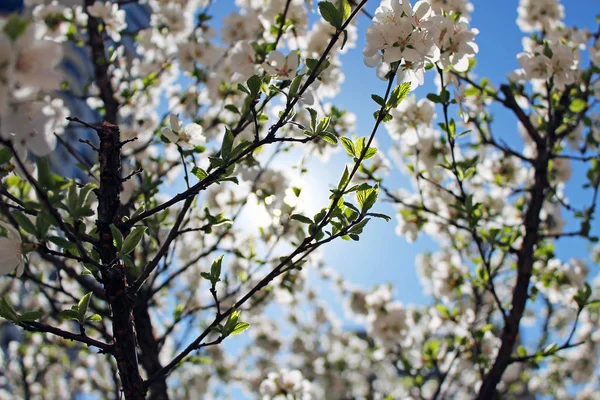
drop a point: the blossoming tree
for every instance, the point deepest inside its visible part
(130, 281)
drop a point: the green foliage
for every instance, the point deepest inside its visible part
(132, 240)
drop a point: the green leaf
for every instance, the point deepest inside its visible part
(199, 173)
(367, 198)
(359, 145)
(344, 179)
(378, 99)
(398, 94)
(62, 242)
(243, 145)
(331, 14)
(231, 323)
(434, 98)
(323, 124)
(254, 83)
(215, 270)
(577, 105)
(387, 218)
(452, 128)
(72, 315)
(240, 327)
(371, 151)
(132, 239)
(243, 88)
(348, 146)
(301, 218)
(84, 194)
(25, 223)
(117, 236)
(94, 318)
(385, 116)
(344, 39)
(313, 119)
(206, 276)
(358, 228)
(328, 137)
(83, 305)
(5, 155)
(232, 108)
(227, 144)
(295, 85)
(312, 63)
(72, 196)
(345, 9)
(43, 171)
(29, 316)
(7, 312)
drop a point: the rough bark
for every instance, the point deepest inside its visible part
(113, 274)
(520, 294)
(149, 349)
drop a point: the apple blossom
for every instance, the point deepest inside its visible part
(187, 137)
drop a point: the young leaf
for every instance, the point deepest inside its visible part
(367, 198)
(328, 137)
(378, 99)
(577, 105)
(313, 119)
(344, 9)
(94, 318)
(72, 315)
(231, 323)
(331, 14)
(301, 218)
(25, 223)
(348, 146)
(83, 305)
(254, 83)
(371, 151)
(30, 316)
(132, 239)
(323, 124)
(215, 270)
(117, 236)
(199, 173)
(227, 144)
(398, 94)
(6, 311)
(240, 327)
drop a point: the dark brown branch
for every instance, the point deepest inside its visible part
(41, 327)
(149, 347)
(113, 271)
(525, 259)
(99, 58)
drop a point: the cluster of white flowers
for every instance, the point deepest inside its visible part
(112, 17)
(28, 70)
(540, 15)
(415, 36)
(554, 60)
(285, 385)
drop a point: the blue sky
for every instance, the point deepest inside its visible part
(382, 256)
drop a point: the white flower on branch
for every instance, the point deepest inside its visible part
(111, 16)
(187, 137)
(280, 66)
